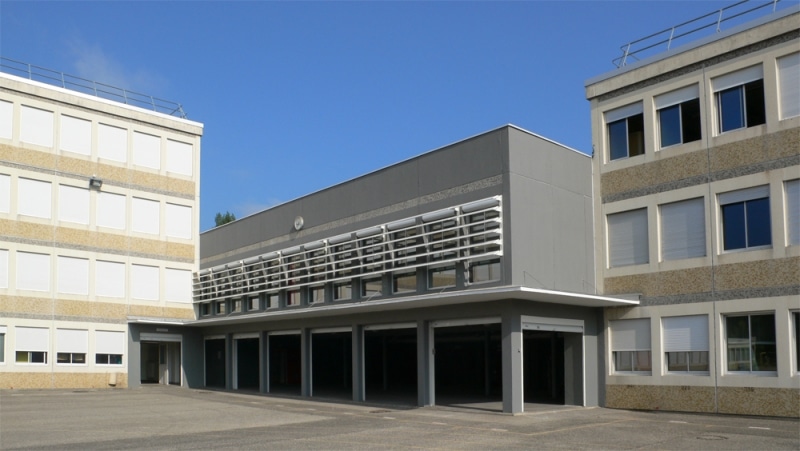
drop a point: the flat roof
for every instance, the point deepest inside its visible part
(420, 301)
(793, 9)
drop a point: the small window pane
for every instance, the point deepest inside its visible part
(293, 297)
(485, 271)
(404, 283)
(371, 287)
(754, 102)
(762, 336)
(442, 277)
(758, 223)
(670, 122)
(342, 291)
(731, 114)
(733, 224)
(690, 120)
(618, 139)
(636, 135)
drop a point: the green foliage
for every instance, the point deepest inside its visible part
(220, 218)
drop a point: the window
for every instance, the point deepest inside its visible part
(219, 308)
(109, 279)
(253, 303)
(178, 221)
(205, 309)
(109, 347)
(179, 157)
(750, 341)
(144, 282)
(317, 294)
(2, 344)
(145, 216)
(34, 198)
(73, 275)
(630, 345)
(442, 277)
(745, 218)
(33, 271)
(371, 287)
(484, 271)
(71, 346)
(111, 210)
(627, 238)
(146, 150)
(178, 285)
(686, 343)
(793, 212)
(3, 268)
(5, 191)
(32, 344)
(740, 99)
(404, 283)
(273, 300)
(112, 143)
(73, 204)
(236, 306)
(342, 291)
(293, 297)
(625, 131)
(679, 116)
(36, 126)
(683, 229)
(76, 135)
(795, 316)
(789, 85)
(6, 117)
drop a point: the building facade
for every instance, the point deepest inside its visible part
(697, 213)
(462, 275)
(98, 228)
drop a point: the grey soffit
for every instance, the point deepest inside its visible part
(421, 301)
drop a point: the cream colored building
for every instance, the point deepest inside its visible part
(697, 215)
(98, 228)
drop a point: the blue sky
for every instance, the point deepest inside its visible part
(298, 96)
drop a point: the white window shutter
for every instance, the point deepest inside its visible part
(35, 339)
(683, 229)
(789, 85)
(685, 333)
(109, 342)
(793, 211)
(72, 340)
(628, 238)
(630, 334)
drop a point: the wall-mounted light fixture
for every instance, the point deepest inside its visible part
(95, 182)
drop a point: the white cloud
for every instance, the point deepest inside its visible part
(248, 207)
(91, 62)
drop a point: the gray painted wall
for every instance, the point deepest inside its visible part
(550, 215)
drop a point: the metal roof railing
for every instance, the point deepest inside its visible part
(90, 87)
(664, 39)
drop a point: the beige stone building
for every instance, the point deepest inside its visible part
(98, 229)
(697, 215)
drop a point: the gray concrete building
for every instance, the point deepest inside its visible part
(697, 213)
(463, 274)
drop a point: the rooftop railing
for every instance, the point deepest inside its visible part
(90, 87)
(665, 39)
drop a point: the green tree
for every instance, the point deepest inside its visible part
(220, 218)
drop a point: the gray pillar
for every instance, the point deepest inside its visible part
(305, 362)
(425, 367)
(358, 363)
(228, 361)
(263, 368)
(573, 369)
(512, 363)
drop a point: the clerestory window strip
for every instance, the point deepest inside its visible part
(469, 232)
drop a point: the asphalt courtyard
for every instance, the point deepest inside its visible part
(158, 417)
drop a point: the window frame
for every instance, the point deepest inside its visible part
(615, 257)
(623, 116)
(631, 326)
(743, 83)
(727, 340)
(683, 99)
(689, 338)
(433, 271)
(672, 229)
(747, 197)
(397, 287)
